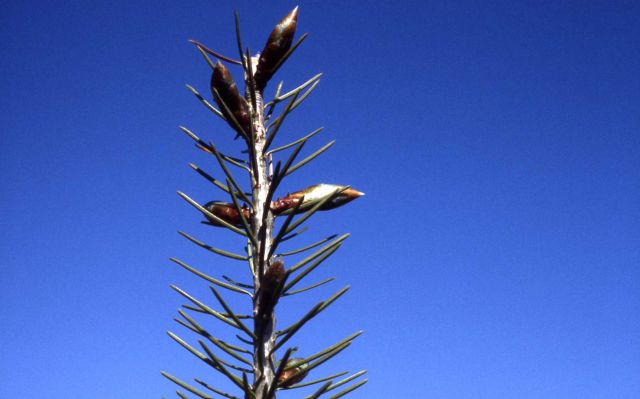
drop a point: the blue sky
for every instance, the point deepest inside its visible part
(495, 255)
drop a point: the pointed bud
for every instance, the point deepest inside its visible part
(227, 89)
(278, 44)
(312, 195)
(226, 212)
(293, 375)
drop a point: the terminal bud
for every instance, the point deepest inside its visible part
(278, 44)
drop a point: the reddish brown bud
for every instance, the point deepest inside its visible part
(227, 89)
(278, 44)
(226, 212)
(275, 273)
(293, 375)
(283, 204)
(312, 195)
(271, 283)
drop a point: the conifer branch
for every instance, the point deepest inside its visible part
(252, 214)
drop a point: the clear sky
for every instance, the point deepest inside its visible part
(495, 255)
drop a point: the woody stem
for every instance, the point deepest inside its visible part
(262, 221)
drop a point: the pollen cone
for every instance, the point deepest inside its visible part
(278, 44)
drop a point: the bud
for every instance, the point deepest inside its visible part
(274, 275)
(278, 43)
(312, 195)
(298, 371)
(271, 284)
(283, 204)
(226, 212)
(227, 89)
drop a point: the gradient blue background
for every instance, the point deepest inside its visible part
(495, 255)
